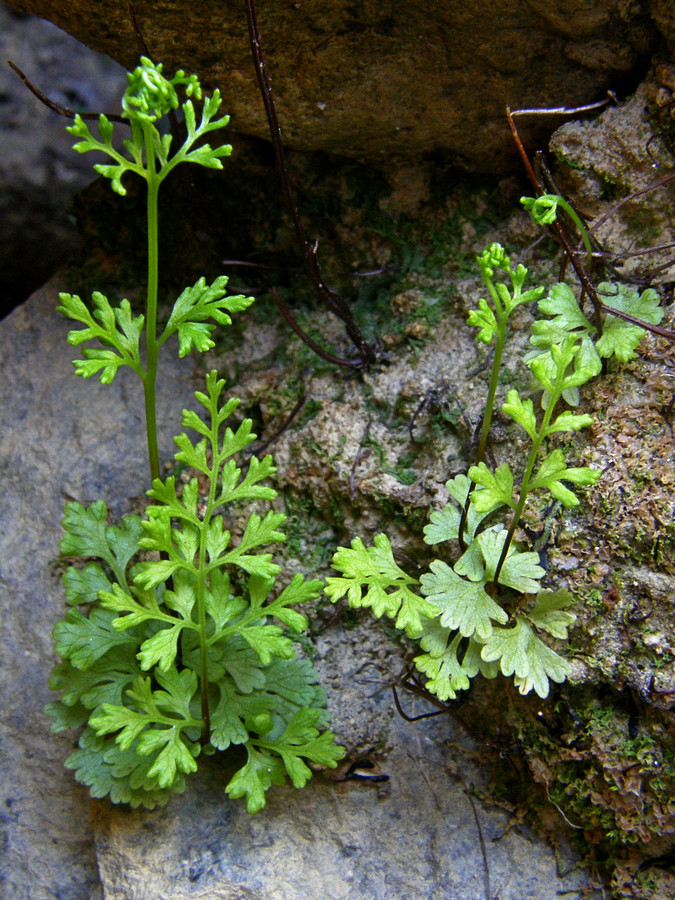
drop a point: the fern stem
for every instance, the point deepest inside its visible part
(152, 347)
(501, 316)
(492, 391)
(211, 505)
(581, 228)
(201, 622)
(542, 434)
(518, 511)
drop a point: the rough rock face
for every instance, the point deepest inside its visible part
(384, 81)
(618, 170)
(39, 173)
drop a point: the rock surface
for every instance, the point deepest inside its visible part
(618, 170)
(385, 81)
(414, 836)
(60, 438)
(39, 173)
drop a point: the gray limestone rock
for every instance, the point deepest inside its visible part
(39, 173)
(60, 438)
(617, 169)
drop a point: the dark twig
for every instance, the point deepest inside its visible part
(457, 772)
(56, 107)
(412, 684)
(293, 322)
(582, 274)
(131, 9)
(282, 428)
(567, 110)
(333, 301)
(431, 398)
(404, 715)
(584, 277)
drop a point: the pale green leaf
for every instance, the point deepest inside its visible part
(268, 641)
(562, 305)
(82, 585)
(553, 471)
(161, 649)
(550, 612)
(115, 329)
(302, 740)
(229, 716)
(471, 564)
(175, 756)
(484, 319)
(520, 571)
(522, 412)
(522, 654)
(298, 591)
(199, 308)
(87, 534)
(371, 578)
(445, 674)
(104, 681)
(121, 775)
(463, 605)
(494, 489)
(620, 337)
(83, 640)
(473, 662)
(261, 771)
(444, 523)
(568, 421)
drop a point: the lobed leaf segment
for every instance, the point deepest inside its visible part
(486, 612)
(200, 308)
(188, 649)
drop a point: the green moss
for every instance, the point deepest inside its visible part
(308, 536)
(613, 773)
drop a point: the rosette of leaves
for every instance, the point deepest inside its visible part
(188, 648)
(486, 612)
(482, 608)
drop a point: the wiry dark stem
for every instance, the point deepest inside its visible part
(585, 279)
(293, 322)
(131, 9)
(56, 107)
(332, 300)
(582, 274)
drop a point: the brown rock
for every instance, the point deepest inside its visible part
(383, 81)
(615, 169)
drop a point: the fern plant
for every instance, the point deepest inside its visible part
(176, 643)
(148, 98)
(187, 648)
(482, 609)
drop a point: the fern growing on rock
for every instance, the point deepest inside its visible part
(187, 648)
(481, 609)
(177, 642)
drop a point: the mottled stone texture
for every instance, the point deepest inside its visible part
(61, 438)
(39, 173)
(617, 168)
(381, 80)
